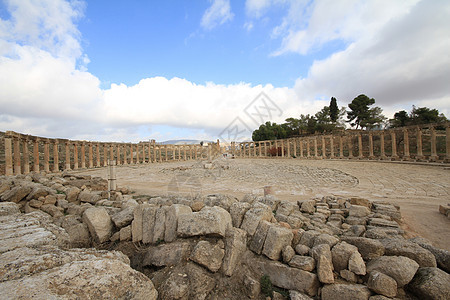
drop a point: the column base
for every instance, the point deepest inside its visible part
(434, 158)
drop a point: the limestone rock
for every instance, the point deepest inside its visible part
(167, 254)
(341, 253)
(356, 264)
(9, 208)
(442, 256)
(159, 228)
(89, 197)
(148, 222)
(294, 295)
(235, 245)
(401, 247)
(358, 211)
(237, 212)
(360, 201)
(136, 224)
(345, 291)
(207, 255)
(252, 287)
(288, 253)
(308, 237)
(79, 235)
(322, 254)
(72, 193)
(286, 208)
(16, 194)
(257, 240)
(125, 233)
(201, 282)
(301, 249)
(277, 238)
(209, 221)
(348, 275)
(99, 223)
(172, 214)
(431, 283)
(368, 248)
(325, 238)
(124, 217)
(401, 268)
(259, 212)
(52, 210)
(306, 263)
(308, 206)
(382, 284)
(176, 286)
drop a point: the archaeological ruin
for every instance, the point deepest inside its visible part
(66, 232)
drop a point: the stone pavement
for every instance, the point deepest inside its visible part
(417, 189)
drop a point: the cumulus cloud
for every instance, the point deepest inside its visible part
(217, 14)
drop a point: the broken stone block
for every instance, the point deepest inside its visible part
(277, 238)
(259, 212)
(99, 223)
(212, 221)
(235, 245)
(207, 255)
(382, 284)
(172, 215)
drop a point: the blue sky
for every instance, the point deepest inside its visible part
(138, 70)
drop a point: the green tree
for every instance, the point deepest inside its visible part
(269, 131)
(401, 118)
(334, 110)
(425, 115)
(361, 115)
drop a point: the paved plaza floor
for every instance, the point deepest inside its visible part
(417, 189)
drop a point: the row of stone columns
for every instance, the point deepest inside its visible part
(320, 147)
(47, 153)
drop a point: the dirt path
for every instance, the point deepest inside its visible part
(417, 189)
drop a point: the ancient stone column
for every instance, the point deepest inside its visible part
(394, 145)
(295, 140)
(67, 144)
(137, 154)
(254, 149)
(434, 156)
(331, 147)
(26, 156)
(36, 167)
(265, 148)
(360, 148)
(166, 151)
(288, 146)
(383, 154)
(111, 152)
(195, 152)
(154, 152)
(159, 153)
(125, 154)
(316, 152)
(276, 147)
(149, 153)
(350, 146)
(341, 147)
(371, 156)
(83, 155)
(301, 147)
(324, 147)
(17, 160)
(282, 148)
(419, 144)
(308, 148)
(105, 155)
(55, 156)
(8, 156)
(406, 144)
(91, 156)
(75, 155)
(97, 154)
(119, 158)
(46, 156)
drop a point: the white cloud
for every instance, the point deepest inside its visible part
(217, 14)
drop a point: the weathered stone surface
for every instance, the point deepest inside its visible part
(401, 247)
(16, 194)
(159, 228)
(148, 223)
(237, 212)
(125, 233)
(387, 210)
(9, 208)
(306, 263)
(235, 245)
(341, 254)
(380, 222)
(356, 264)
(257, 240)
(201, 282)
(348, 275)
(124, 217)
(358, 211)
(294, 295)
(52, 210)
(89, 197)
(209, 221)
(431, 283)
(277, 238)
(382, 284)
(286, 208)
(136, 224)
(167, 254)
(345, 291)
(442, 256)
(207, 255)
(285, 277)
(360, 201)
(38, 191)
(252, 287)
(322, 254)
(401, 268)
(172, 214)
(308, 237)
(99, 223)
(259, 212)
(287, 253)
(368, 248)
(301, 249)
(325, 238)
(72, 193)
(308, 206)
(79, 235)
(176, 286)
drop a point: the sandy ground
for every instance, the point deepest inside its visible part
(417, 189)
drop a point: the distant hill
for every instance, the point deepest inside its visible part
(182, 142)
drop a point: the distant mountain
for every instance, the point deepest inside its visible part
(182, 142)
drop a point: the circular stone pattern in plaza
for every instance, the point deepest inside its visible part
(417, 189)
